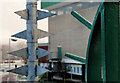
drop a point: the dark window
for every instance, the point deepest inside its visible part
(78, 70)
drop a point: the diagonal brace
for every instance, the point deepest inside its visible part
(81, 19)
(74, 57)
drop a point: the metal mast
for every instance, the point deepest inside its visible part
(32, 34)
(31, 38)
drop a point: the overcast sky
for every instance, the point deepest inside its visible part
(10, 23)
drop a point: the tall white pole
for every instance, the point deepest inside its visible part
(9, 58)
(9, 54)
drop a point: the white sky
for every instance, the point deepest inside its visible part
(10, 23)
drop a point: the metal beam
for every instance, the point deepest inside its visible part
(31, 38)
(82, 19)
(103, 43)
(93, 62)
(74, 57)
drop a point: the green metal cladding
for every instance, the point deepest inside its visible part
(103, 50)
(103, 55)
(48, 3)
(112, 41)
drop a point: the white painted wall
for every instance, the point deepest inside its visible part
(70, 33)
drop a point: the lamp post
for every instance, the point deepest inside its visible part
(71, 71)
(10, 39)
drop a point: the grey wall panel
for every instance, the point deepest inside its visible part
(70, 33)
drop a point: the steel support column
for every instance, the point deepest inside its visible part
(31, 38)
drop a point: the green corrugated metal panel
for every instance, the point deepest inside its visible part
(93, 55)
(104, 46)
(94, 60)
(103, 56)
(48, 3)
(112, 35)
